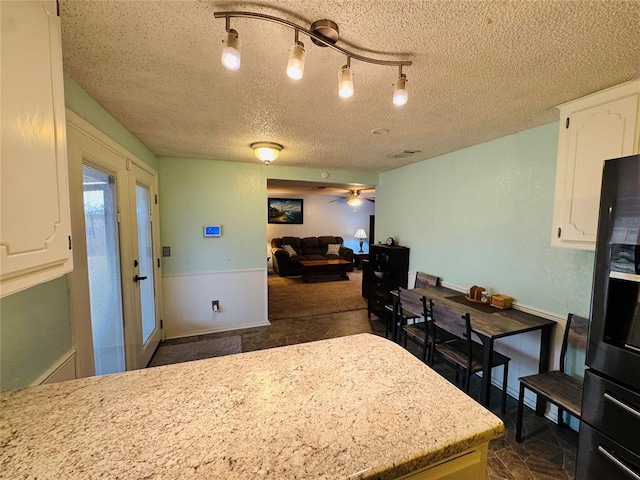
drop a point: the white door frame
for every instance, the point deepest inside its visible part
(83, 138)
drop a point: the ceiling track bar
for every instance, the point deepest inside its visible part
(319, 38)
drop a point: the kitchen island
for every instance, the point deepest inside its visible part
(352, 407)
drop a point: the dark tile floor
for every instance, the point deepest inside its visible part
(549, 453)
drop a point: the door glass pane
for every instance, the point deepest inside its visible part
(103, 258)
(145, 257)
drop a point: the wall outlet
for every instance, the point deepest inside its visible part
(215, 306)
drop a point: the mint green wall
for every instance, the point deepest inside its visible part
(35, 332)
(198, 192)
(482, 216)
(79, 101)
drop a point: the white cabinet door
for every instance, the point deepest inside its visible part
(592, 130)
(35, 237)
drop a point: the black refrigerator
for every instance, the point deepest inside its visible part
(609, 440)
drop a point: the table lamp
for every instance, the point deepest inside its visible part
(360, 235)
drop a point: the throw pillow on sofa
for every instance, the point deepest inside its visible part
(289, 249)
(333, 249)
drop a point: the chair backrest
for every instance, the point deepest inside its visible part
(575, 334)
(451, 321)
(411, 302)
(424, 280)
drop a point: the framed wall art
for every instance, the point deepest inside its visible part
(285, 211)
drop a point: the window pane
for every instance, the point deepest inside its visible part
(103, 258)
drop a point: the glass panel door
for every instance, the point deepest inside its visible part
(145, 280)
(145, 259)
(103, 259)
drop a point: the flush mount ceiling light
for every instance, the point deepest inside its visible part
(266, 151)
(323, 33)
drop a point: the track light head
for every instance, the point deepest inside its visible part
(400, 94)
(231, 51)
(345, 82)
(295, 66)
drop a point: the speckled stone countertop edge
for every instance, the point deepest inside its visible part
(287, 371)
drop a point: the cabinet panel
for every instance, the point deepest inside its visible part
(470, 465)
(593, 129)
(388, 269)
(34, 215)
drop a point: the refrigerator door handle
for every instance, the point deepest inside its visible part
(622, 405)
(618, 463)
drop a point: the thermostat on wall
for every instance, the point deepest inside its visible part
(212, 231)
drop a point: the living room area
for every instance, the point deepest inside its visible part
(324, 213)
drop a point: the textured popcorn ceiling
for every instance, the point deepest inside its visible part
(482, 69)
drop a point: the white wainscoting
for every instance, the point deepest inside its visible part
(64, 369)
(187, 302)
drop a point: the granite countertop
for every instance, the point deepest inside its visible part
(350, 407)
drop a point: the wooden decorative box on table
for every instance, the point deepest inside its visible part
(501, 301)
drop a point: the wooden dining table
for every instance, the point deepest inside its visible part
(491, 323)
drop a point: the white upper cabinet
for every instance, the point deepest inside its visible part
(593, 129)
(35, 242)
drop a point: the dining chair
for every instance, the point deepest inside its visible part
(424, 280)
(394, 319)
(556, 386)
(463, 353)
(413, 306)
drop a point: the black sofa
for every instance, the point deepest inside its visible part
(309, 248)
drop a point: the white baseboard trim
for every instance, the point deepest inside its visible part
(64, 369)
(218, 330)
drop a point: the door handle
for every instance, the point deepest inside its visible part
(136, 278)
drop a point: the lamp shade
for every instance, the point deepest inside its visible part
(266, 151)
(360, 233)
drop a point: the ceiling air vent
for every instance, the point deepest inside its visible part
(403, 153)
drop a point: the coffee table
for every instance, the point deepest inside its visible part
(319, 270)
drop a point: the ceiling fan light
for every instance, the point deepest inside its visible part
(266, 151)
(345, 82)
(354, 202)
(295, 66)
(400, 94)
(231, 51)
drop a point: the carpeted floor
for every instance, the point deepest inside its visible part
(291, 297)
(171, 352)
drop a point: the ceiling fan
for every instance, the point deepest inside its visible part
(354, 199)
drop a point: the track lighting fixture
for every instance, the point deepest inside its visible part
(323, 33)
